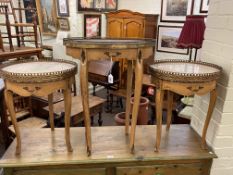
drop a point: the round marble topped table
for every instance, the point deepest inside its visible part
(133, 50)
(39, 78)
(184, 78)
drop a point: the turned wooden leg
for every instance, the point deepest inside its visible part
(213, 97)
(10, 106)
(51, 115)
(67, 103)
(85, 99)
(128, 95)
(137, 95)
(159, 113)
(169, 108)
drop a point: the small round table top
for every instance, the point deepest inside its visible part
(185, 71)
(38, 71)
(108, 43)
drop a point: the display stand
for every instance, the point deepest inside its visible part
(45, 153)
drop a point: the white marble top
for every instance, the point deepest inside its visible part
(38, 67)
(186, 68)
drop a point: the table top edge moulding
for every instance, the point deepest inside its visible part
(108, 43)
(12, 72)
(171, 72)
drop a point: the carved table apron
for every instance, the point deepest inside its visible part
(39, 78)
(134, 50)
(184, 78)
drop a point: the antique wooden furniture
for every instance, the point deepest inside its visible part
(39, 78)
(77, 115)
(185, 78)
(4, 122)
(133, 50)
(180, 153)
(25, 35)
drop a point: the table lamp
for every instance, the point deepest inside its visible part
(192, 34)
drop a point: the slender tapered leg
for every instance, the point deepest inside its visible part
(85, 99)
(213, 97)
(159, 109)
(67, 103)
(51, 115)
(128, 95)
(169, 108)
(10, 106)
(137, 95)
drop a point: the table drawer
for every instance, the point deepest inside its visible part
(179, 169)
(99, 171)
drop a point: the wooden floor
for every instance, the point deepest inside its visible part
(40, 147)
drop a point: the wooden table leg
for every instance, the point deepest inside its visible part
(137, 95)
(169, 108)
(67, 103)
(51, 115)
(100, 121)
(213, 97)
(10, 106)
(159, 112)
(85, 99)
(128, 94)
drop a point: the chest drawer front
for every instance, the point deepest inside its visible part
(61, 172)
(181, 169)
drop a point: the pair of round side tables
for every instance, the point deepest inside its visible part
(41, 78)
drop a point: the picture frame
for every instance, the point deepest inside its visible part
(204, 6)
(30, 10)
(92, 25)
(175, 10)
(97, 5)
(167, 39)
(63, 8)
(63, 24)
(47, 14)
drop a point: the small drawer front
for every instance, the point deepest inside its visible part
(61, 172)
(180, 169)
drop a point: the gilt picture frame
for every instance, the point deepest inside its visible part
(167, 40)
(63, 24)
(47, 14)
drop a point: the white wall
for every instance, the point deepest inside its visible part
(218, 49)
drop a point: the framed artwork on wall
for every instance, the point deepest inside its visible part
(63, 8)
(175, 10)
(96, 5)
(92, 25)
(30, 6)
(63, 24)
(47, 16)
(167, 40)
(204, 6)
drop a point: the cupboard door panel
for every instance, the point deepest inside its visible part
(133, 28)
(115, 28)
(179, 169)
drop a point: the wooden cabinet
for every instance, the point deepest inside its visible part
(128, 24)
(125, 24)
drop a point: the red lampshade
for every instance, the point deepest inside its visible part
(192, 34)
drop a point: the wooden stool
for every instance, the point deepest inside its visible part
(185, 78)
(39, 78)
(133, 50)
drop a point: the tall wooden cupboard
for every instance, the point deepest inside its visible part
(128, 24)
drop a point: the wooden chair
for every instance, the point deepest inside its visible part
(25, 35)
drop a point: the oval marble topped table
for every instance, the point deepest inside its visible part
(39, 78)
(133, 50)
(185, 78)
